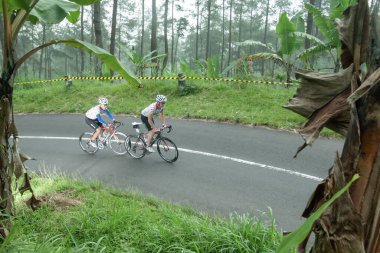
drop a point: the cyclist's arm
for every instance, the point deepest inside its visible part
(109, 114)
(162, 118)
(101, 120)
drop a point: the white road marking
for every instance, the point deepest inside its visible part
(269, 167)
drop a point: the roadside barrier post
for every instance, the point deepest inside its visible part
(181, 80)
(68, 82)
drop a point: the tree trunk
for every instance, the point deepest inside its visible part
(251, 26)
(82, 39)
(172, 49)
(240, 27)
(223, 39)
(208, 30)
(142, 30)
(1, 32)
(113, 30)
(11, 163)
(230, 37)
(352, 223)
(153, 40)
(197, 33)
(98, 35)
(42, 51)
(165, 62)
(265, 35)
(309, 30)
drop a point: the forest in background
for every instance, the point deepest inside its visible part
(199, 38)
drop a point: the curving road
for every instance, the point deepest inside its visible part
(222, 168)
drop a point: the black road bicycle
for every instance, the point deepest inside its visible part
(136, 144)
(113, 139)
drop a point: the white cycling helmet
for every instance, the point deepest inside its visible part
(103, 101)
(161, 98)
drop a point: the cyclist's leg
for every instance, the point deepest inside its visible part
(94, 124)
(150, 133)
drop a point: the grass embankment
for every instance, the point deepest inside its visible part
(251, 104)
(86, 217)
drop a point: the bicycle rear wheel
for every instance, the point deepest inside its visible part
(167, 149)
(84, 143)
(117, 143)
(135, 146)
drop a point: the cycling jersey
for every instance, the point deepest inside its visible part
(152, 109)
(94, 113)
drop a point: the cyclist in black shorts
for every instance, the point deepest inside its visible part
(154, 109)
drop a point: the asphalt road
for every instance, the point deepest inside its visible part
(222, 168)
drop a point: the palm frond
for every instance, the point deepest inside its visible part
(310, 37)
(255, 43)
(324, 24)
(269, 56)
(314, 51)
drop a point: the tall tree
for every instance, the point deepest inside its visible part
(172, 49)
(153, 39)
(265, 34)
(230, 36)
(240, 25)
(165, 62)
(208, 29)
(309, 30)
(251, 25)
(97, 21)
(181, 27)
(197, 31)
(82, 39)
(142, 27)
(223, 39)
(113, 29)
(43, 51)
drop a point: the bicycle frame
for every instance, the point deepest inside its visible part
(136, 145)
(143, 135)
(106, 139)
(111, 139)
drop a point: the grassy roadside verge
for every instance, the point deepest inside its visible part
(87, 217)
(248, 104)
(245, 104)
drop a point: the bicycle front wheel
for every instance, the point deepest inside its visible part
(117, 145)
(167, 150)
(84, 143)
(135, 146)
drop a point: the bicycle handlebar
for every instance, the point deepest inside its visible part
(169, 127)
(113, 125)
(117, 124)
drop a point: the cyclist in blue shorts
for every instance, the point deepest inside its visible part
(154, 109)
(95, 121)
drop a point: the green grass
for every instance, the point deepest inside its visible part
(245, 104)
(248, 104)
(87, 217)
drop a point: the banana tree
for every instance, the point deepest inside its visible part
(347, 102)
(14, 15)
(289, 44)
(326, 26)
(141, 62)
